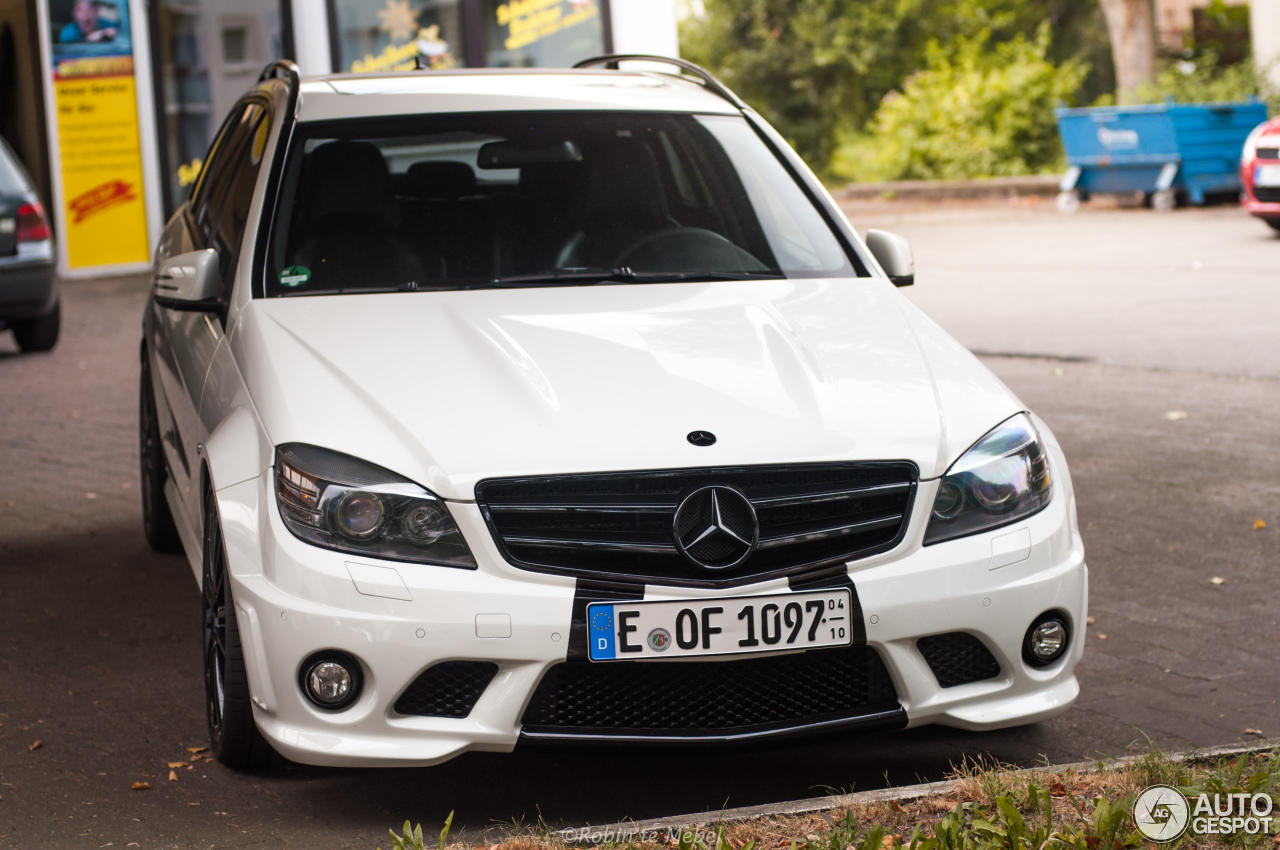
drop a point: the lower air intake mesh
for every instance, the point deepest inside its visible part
(449, 689)
(705, 698)
(958, 658)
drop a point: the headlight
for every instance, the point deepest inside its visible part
(338, 502)
(1002, 479)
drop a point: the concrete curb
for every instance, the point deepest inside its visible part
(673, 825)
(936, 190)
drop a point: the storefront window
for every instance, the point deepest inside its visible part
(395, 35)
(211, 52)
(542, 33)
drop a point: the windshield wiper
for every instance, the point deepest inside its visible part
(589, 277)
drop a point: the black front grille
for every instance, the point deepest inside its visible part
(1267, 194)
(958, 658)
(710, 698)
(620, 524)
(1268, 153)
(448, 689)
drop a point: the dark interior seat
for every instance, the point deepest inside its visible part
(447, 216)
(625, 203)
(348, 221)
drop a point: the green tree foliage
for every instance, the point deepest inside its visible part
(817, 68)
(981, 110)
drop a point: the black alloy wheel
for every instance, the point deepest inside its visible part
(234, 738)
(157, 520)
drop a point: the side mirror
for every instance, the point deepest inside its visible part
(189, 282)
(893, 253)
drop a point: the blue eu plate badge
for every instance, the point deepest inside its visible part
(600, 632)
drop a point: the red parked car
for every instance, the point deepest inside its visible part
(1260, 172)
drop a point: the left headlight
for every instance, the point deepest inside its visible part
(339, 502)
(1002, 479)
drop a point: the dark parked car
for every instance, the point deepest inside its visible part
(28, 287)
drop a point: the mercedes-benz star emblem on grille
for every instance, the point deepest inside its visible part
(702, 438)
(716, 528)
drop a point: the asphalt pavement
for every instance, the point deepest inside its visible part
(1150, 343)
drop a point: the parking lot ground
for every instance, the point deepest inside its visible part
(99, 637)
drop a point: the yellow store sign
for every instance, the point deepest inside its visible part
(102, 212)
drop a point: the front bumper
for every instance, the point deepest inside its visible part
(294, 599)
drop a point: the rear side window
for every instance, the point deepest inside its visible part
(484, 199)
(12, 182)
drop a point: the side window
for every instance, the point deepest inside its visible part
(214, 162)
(220, 170)
(227, 231)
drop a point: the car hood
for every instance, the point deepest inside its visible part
(450, 388)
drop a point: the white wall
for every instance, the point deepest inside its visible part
(645, 26)
(1264, 24)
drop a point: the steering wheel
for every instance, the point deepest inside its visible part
(678, 249)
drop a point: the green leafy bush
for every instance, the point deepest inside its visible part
(1205, 80)
(978, 111)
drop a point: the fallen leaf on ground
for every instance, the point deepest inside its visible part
(177, 764)
(1175, 415)
(1058, 373)
(1259, 523)
(1057, 789)
(37, 745)
(91, 495)
(142, 786)
(1217, 580)
(196, 749)
(173, 777)
(1253, 731)
(1102, 637)
(1090, 620)
(889, 840)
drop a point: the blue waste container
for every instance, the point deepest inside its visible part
(1165, 150)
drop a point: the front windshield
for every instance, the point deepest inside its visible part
(548, 198)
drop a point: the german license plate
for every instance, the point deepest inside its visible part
(1266, 175)
(625, 631)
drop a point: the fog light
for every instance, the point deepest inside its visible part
(331, 679)
(1046, 640)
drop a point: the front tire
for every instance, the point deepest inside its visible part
(157, 519)
(41, 333)
(234, 738)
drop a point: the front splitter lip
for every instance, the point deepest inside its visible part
(887, 720)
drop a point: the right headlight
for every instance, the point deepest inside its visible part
(1002, 479)
(339, 502)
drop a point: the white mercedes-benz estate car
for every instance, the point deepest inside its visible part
(494, 407)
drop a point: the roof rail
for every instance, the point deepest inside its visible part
(281, 69)
(705, 77)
